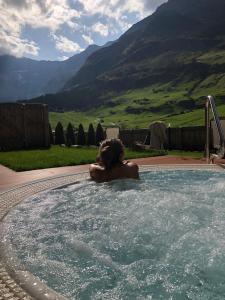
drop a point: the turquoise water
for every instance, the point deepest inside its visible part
(162, 237)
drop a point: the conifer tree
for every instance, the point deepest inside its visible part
(81, 135)
(99, 134)
(91, 135)
(70, 136)
(59, 134)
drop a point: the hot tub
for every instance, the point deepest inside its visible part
(162, 237)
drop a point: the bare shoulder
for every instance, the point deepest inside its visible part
(96, 172)
(132, 165)
(96, 167)
(127, 170)
(133, 169)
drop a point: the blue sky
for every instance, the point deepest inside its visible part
(57, 29)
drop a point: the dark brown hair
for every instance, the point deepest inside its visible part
(110, 153)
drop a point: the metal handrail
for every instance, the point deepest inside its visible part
(210, 103)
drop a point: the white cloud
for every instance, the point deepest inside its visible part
(63, 44)
(116, 13)
(101, 29)
(61, 58)
(15, 14)
(88, 40)
(50, 14)
(115, 8)
(17, 45)
(109, 18)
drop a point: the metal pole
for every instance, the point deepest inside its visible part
(207, 131)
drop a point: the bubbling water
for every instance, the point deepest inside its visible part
(162, 237)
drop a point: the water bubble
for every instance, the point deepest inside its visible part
(162, 237)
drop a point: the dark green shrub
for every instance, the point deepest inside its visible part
(91, 135)
(81, 135)
(70, 136)
(100, 136)
(59, 134)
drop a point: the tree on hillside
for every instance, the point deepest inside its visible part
(70, 136)
(100, 136)
(81, 135)
(59, 134)
(50, 134)
(91, 135)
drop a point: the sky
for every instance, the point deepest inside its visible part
(58, 29)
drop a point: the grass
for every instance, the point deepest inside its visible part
(58, 156)
(213, 57)
(132, 121)
(150, 105)
(116, 114)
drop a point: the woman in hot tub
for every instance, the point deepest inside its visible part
(110, 163)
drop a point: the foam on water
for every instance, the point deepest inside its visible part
(162, 237)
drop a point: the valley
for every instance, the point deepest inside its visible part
(177, 103)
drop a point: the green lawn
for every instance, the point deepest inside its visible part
(58, 156)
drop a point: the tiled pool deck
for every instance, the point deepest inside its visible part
(15, 187)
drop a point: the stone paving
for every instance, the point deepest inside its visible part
(9, 288)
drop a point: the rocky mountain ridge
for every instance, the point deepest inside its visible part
(24, 78)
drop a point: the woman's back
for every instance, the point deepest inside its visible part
(110, 163)
(123, 170)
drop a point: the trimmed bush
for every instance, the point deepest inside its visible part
(100, 136)
(91, 135)
(59, 134)
(50, 134)
(81, 135)
(70, 136)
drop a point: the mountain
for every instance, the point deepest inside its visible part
(177, 45)
(23, 78)
(67, 69)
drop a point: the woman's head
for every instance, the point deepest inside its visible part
(111, 152)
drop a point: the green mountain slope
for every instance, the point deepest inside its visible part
(163, 66)
(137, 108)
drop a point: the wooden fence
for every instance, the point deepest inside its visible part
(184, 138)
(23, 126)
(187, 138)
(129, 137)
